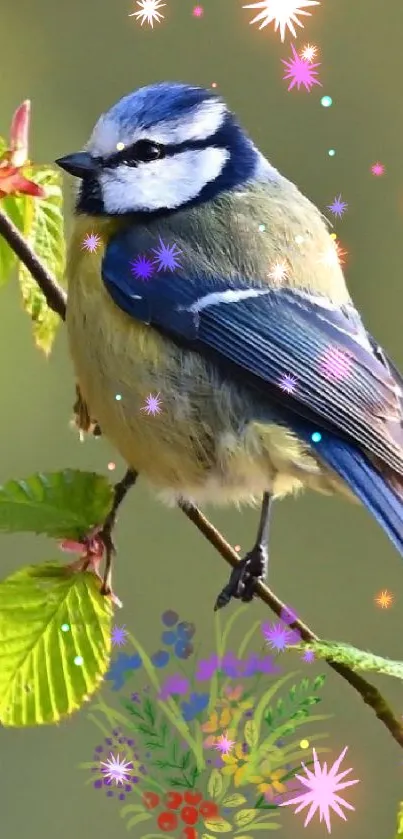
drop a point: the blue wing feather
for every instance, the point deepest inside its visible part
(260, 339)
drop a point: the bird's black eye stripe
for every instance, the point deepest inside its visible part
(143, 151)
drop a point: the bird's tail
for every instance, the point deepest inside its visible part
(381, 494)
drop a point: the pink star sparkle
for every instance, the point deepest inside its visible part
(323, 786)
(378, 169)
(300, 71)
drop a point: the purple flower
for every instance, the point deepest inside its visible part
(230, 665)
(175, 684)
(206, 668)
(267, 665)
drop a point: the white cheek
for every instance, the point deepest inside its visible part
(169, 182)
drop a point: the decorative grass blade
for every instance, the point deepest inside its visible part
(47, 673)
(65, 505)
(354, 658)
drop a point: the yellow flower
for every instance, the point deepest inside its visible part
(273, 784)
(237, 763)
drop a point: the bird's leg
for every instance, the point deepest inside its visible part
(253, 566)
(105, 534)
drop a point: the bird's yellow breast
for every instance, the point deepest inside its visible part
(196, 444)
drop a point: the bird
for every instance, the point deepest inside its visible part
(216, 298)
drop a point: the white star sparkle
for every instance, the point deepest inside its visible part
(116, 770)
(149, 11)
(284, 13)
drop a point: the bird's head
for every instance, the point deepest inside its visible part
(161, 148)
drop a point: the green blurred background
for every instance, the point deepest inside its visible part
(329, 559)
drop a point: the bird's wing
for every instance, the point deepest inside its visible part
(339, 378)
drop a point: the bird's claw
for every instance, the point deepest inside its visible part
(242, 582)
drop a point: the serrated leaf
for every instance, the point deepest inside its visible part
(39, 679)
(244, 817)
(318, 682)
(218, 826)
(292, 693)
(354, 658)
(43, 230)
(250, 733)
(61, 504)
(215, 783)
(13, 206)
(149, 710)
(234, 800)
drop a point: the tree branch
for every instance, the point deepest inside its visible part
(57, 300)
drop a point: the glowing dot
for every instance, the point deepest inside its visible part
(237, 547)
(299, 240)
(111, 466)
(326, 101)
(333, 235)
(120, 146)
(316, 437)
(214, 84)
(331, 152)
(262, 228)
(118, 397)
(65, 627)
(304, 744)
(78, 659)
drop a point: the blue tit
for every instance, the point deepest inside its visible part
(216, 298)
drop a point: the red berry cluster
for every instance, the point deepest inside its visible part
(190, 808)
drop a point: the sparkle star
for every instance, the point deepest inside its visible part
(197, 11)
(300, 71)
(142, 268)
(323, 786)
(288, 383)
(334, 255)
(118, 636)
(91, 242)
(384, 599)
(152, 405)
(224, 744)
(284, 13)
(278, 272)
(378, 169)
(166, 257)
(116, 770)
(149, 11)
(308, 53)
(338, 207)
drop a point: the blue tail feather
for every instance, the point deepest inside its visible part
(369, 485)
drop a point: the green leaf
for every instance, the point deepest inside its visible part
(250, 733)
(354, 658)
(141, 817)
(61, 504)
(13, 206)
(39, 679)
(214, 785)
(132, 808)
(319, 682)
(292, 693)
(233, 800)
(244, 817)
(149, 710)
(218, 826)
(43, 230)
(264, 826)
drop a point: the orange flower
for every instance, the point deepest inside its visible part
(15, 158)
(229, 705)
(273, 783)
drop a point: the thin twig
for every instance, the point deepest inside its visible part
(56, 299)
(120, 491)
(55, 295)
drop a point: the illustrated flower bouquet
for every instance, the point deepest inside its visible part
(203, 745)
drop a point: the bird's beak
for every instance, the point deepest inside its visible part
(78, 164)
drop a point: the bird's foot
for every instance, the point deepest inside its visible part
(243, 578)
